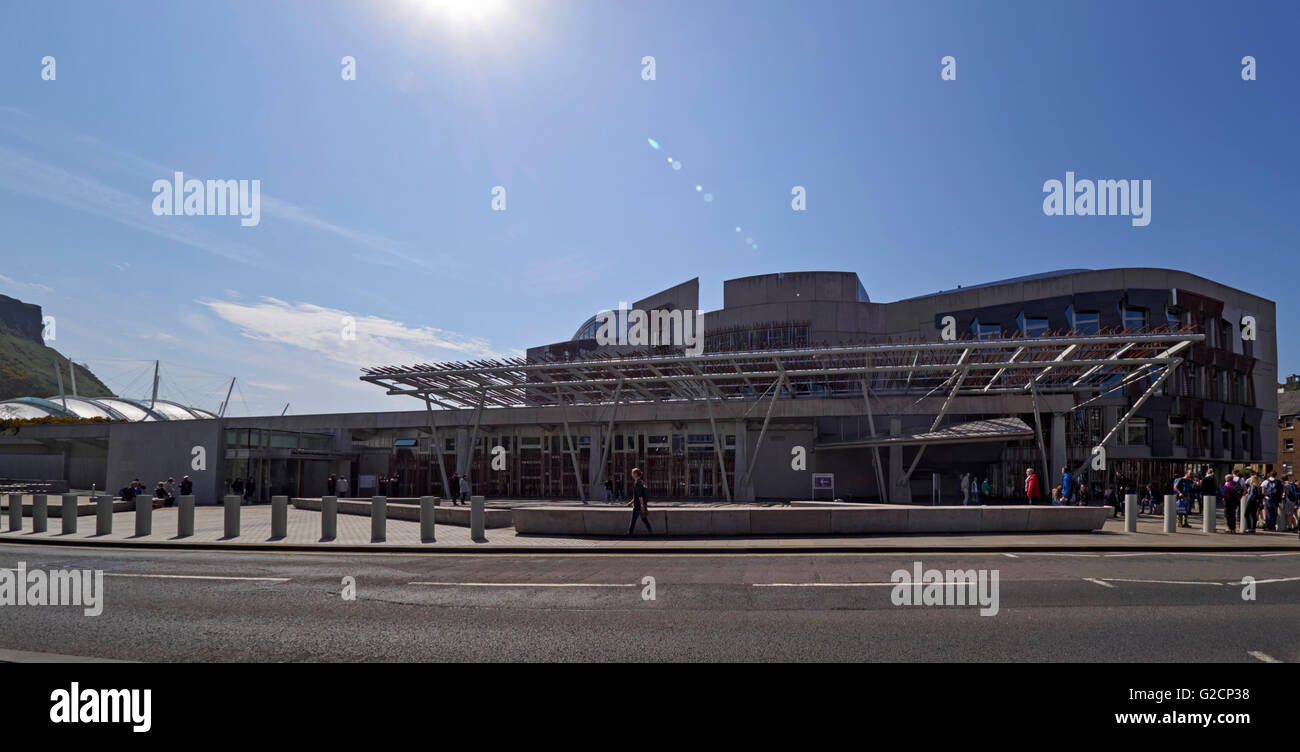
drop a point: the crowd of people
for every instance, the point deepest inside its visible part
(164, 495)
(1261, 501)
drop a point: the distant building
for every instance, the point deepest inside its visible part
(1288, 425)
(800, 373)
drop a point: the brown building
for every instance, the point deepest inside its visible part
(1288, 426)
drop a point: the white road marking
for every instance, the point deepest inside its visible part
(1261, 656)
(197, 577)
(1010, 556)
(1265, 582)
(1096, 581)
(171, 576)
(529, 584)
(824, 584)
(1164, 582)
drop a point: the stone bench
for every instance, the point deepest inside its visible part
(847, 519)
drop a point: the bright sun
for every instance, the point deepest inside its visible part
(464, 11)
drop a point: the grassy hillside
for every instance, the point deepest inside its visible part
(27, 370)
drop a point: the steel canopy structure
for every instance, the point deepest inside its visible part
(1016, 365)
(1020, 366)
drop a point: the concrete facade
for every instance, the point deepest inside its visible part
(1219, 417)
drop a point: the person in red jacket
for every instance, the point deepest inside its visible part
(1033, 490)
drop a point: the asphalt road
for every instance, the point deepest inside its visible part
(1122, 607)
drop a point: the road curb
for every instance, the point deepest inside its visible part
(755, 548)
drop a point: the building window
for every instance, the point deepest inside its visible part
(1133, 318)
(1288, 421)
(1178, 432)
(985, 331)
(1246, 443)
(1031, 326)
(1137, 432)
(1171, 315)
(1203, 438)
(1288, 444)
(1083, 322)
(1287, 468)
(1225, 438)
(1225, 335)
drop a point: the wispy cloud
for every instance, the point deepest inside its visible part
(321, 330)
(30, 176)
(18, 287)
(76, 190)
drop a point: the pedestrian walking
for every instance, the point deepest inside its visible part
(965, 490)
(985, 488)
(609, 491)
(640, 506)
(1231, 493)
(975, 492)
(1033, 490)
(1272, 490)
(1184, 488)
(1067, 485)
(331, 486)
(1251, 498)
(464, 488)
(1290, 495)
(343, 486)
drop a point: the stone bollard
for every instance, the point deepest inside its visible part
(143, 516)
(1171, 513)
(1209, 512)
(69, 513)
(329, 517)
(231, 528)
(378, 518)
(15, 512)
(40, 513)
(184, 516)
(476, 515)
(104, 515)
(1130, 513)
(428, 505)
(279, 516)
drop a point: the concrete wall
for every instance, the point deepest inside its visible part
(155, 451)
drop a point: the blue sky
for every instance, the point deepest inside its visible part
(376, 193)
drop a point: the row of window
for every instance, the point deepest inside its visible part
(1137, 432)
(1218, 334)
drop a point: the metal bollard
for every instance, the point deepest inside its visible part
(40, 513)
(329, 517)
(104, 515)
(143, 516)
(1171, 513)
(184, 516)
(15, 512)
(378, 518)
(476, 515)
(279, 516)
(231, 529)
(428, 506)
(69, 513)
(1209, 519)
(1130, 513)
